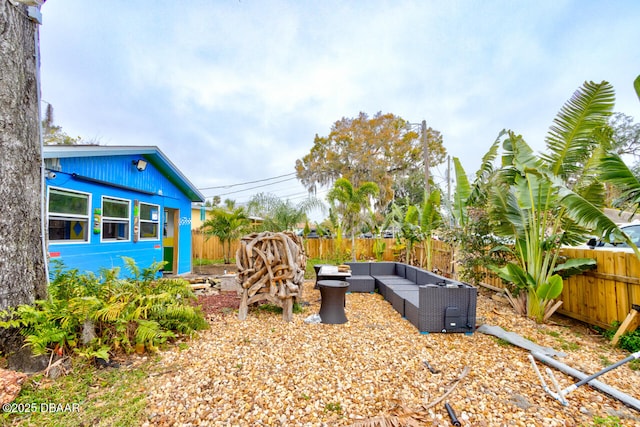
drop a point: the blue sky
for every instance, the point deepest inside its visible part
(235, 91)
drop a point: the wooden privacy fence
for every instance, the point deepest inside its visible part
(602, 296)
(203, 248)
(598, 297)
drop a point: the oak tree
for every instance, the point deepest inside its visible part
(380, 149)
(22, 263)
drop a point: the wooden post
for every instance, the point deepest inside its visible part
(629, 324)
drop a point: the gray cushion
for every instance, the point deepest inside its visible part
(410, 273)
(383, 268)
(359, 268)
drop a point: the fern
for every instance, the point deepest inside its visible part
(151, 333)
(94, 351)
(142, 309)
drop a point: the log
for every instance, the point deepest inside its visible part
(271, 267)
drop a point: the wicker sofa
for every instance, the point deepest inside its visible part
(432, 303)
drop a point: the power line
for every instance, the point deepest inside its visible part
(252, 188)
(245, 183)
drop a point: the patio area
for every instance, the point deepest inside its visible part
(263, 371)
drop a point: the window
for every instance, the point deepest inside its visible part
(115, 219)
(149, 221)
(68, 216)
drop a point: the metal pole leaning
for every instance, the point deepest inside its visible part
(560, 394)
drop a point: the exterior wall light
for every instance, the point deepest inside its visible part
(140, 164)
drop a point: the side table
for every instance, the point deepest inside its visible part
(332, 305)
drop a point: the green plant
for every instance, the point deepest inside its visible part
(604, 360)
(568, 345)
(608, 421)
(227, 224)
(94, 316)
(554, 334)
(543, 202)
(379, 246)
(349, 201)
(629, 341)
(200, 261)
(333, 407)
(503, 343)
(97, 393)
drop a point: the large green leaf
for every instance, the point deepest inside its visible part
(513, 273)
(616, 172)
(485, 173)
(589, 215)
(486, 168)
(575, 266)
(552, 289)
(570, 139)
(463, 191)
(518, 154)
(430, 217)
(509, 220)
(636, 85)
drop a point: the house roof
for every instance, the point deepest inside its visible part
(151, 153)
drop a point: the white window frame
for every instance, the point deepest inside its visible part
(149, 221)
(115, 220)
(69, 217)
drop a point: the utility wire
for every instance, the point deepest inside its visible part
(252, 188)
(245, 183)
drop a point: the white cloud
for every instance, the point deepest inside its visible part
(246, 85)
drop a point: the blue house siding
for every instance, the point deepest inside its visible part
(116, 178)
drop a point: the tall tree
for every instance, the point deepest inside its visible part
(378, 149)
(22, 264)
(350, 201)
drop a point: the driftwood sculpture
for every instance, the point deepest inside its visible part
(271, 267)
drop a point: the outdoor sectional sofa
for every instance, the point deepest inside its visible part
(432, 303)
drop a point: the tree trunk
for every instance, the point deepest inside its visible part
(22, 264)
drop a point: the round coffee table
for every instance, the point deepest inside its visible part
(333, 293)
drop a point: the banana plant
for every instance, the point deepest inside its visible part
(405, 219)
(535, 200)
(430, 219)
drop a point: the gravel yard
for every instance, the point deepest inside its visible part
(264, 371)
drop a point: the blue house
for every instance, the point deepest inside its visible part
(106, 202)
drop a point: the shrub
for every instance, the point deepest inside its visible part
(94, 316)
(629, 341)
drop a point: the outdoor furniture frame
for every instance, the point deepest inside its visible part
(432, 303)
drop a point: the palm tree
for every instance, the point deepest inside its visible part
(281, 215)
(227, 224)
(544, 202)
(350, 203)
